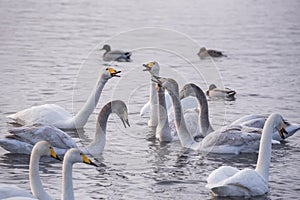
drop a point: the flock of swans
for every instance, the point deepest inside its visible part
(177, 114)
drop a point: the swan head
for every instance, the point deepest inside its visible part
(189, 89)
(76, 156)
(212, 86)
(167, 83)
(152, 67)
(106, 47)
(119, 107)
(279, 124)
(110, 72)
(44, 148)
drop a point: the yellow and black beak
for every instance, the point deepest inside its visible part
(53, 154)
(86, 160)
(113, 72)
(148, 66)
(282, 131)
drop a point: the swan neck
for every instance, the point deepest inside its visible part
(36, 185)
(163, 129)
(153, 105)
(67, 183)
(265, 148)
(98, 143)
(185, 137)
(82, 116)
(203, 114)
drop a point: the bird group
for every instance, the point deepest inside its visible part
(176, 114)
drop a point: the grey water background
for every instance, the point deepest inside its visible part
(48, 54)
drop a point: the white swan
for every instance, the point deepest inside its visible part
(226, 93)
(23, 138)
(230, 181)
(153, 68)
(115, 55)
(59, 117)
(225, 140)
(203, 52)
(42, 148)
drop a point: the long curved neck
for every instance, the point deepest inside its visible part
(265, 148)
(153, 105)
(185, 137)
(204, 123)
(80, 119)
(36, 185)
(98, 143)
(163, 129)
(67, 181)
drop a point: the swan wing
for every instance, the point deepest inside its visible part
(14, 145)
(14, 192)
(48, 113)
(219, 175)
(246, 182)
(231, 140)
(246, 118)
(38, 132)
(145, 109)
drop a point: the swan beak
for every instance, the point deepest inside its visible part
(148, 66)
(282, 131)
(125, 121)
(54, 155)
(181, 94)
(113, 72)
(86, 160)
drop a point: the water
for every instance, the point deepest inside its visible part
(48, 54)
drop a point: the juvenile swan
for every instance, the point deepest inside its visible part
(231, 140)
(23, 138)
(55, 115)
(230, 181)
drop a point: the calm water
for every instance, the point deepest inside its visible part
(48, 54)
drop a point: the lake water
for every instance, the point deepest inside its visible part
(49, 54)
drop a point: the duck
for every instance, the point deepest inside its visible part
(40, 149)
(226, 93)
(229, 181)
(22, 139)
(226, 140)
(115, 55)
(153, 68)
(203, 53)
(57, 116)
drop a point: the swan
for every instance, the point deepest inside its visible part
(57, 116)
(23, 138)
(153, 68)
(230, 181)
(41, 148)
(214, 92)
(231, 140)
(203, 52)
(250, 123)
(115, 55)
